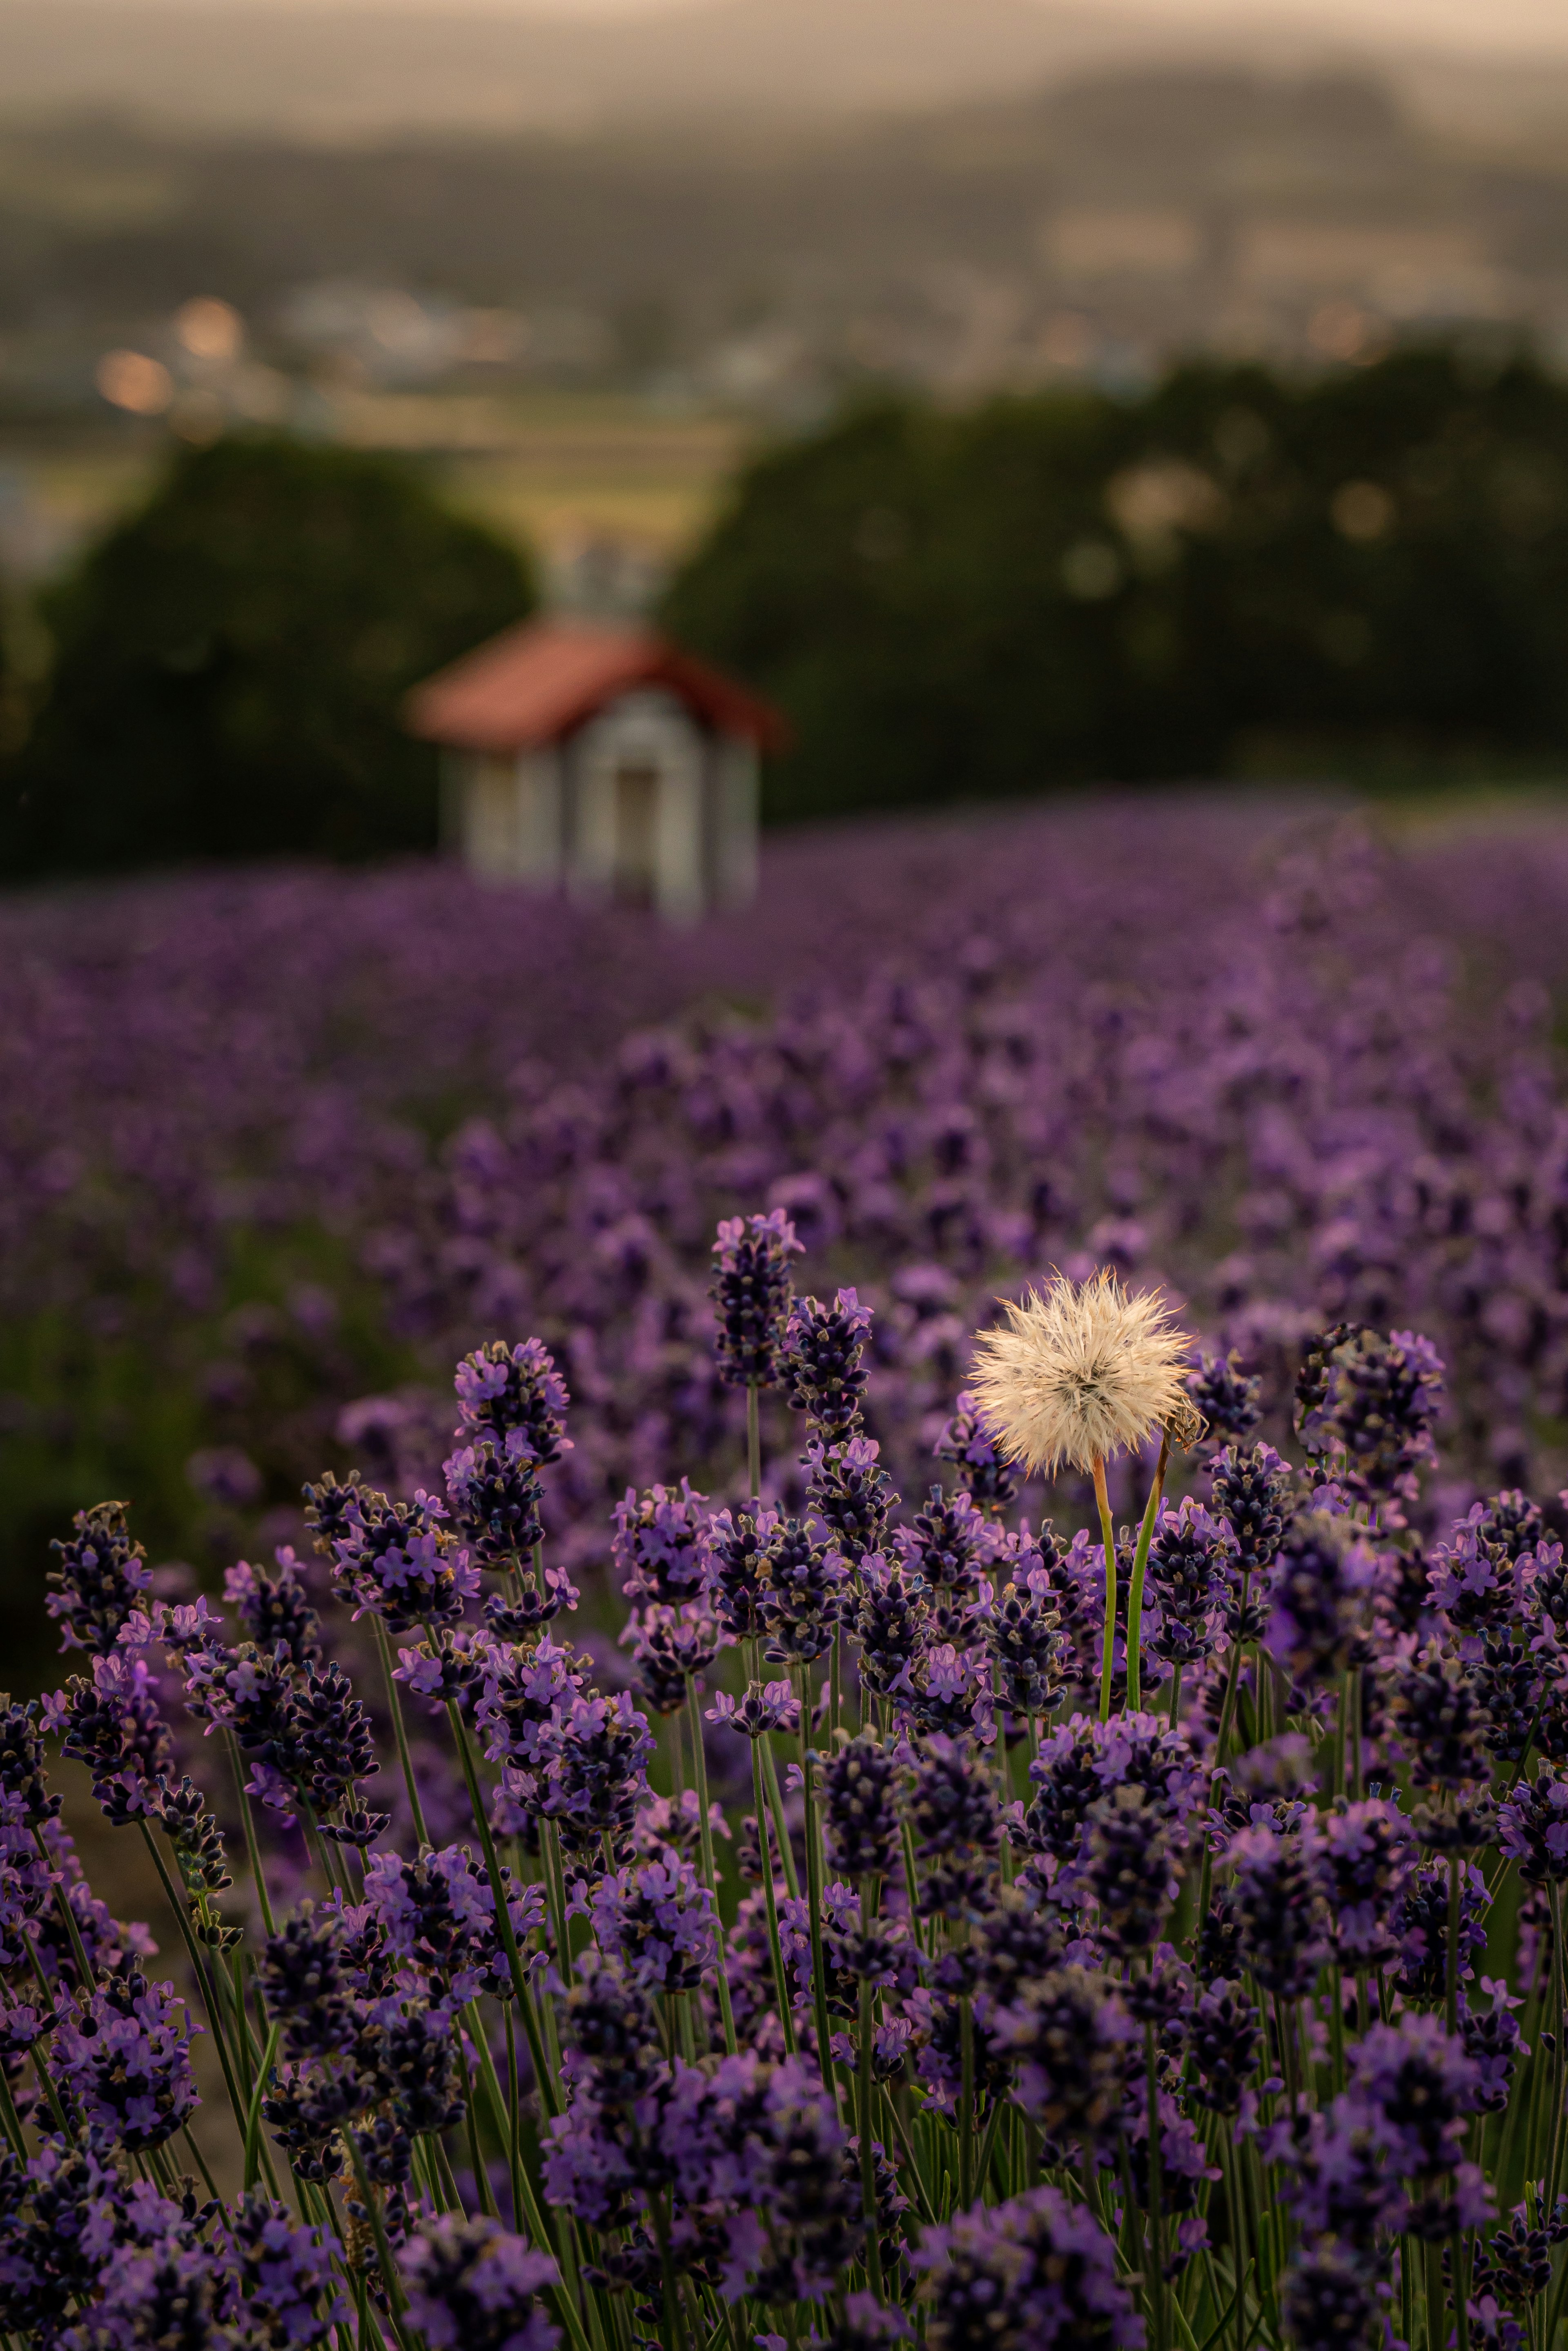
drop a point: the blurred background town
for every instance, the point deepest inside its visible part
(576, 268)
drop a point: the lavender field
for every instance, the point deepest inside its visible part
(274, 1141)
(704, 1827)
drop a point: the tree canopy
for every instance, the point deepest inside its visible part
(229, 664)
(1230, 569)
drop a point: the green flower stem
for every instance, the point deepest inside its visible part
(966, 2098)
(754, 1443)
(543, 2074)
(770, 1903)
(775, 1798)
(214, 2009)
(868, 1892)
(1155, 2283)
(709, 1875)
(253, 1844)
(1140, 1563)
(400, 1731)
(1108, 1537)
(814, 1895)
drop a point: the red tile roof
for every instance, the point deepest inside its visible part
(537, 682)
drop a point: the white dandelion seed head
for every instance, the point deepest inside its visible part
(1081, 1371)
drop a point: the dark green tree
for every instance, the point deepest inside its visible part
(230, 663)
(1232, 571)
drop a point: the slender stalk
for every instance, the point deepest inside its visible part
(400, 1732)
(865, 2054)
(753, 1442)
(1155, 2285)
(775, 1798)
(1139, 1565)
(770, 1903)
(709, 1875)
(966, 2094)
(248, 1819)
(814, 1896)
(543, 2074)
(1109, 1536)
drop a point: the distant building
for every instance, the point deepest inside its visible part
(600, 760)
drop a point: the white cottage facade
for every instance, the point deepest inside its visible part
(602, 762)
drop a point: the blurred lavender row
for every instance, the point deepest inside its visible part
(268, 1139)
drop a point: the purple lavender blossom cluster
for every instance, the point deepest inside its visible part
(1007, 2016)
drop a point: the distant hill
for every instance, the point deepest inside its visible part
(345, 71)
(333, 70)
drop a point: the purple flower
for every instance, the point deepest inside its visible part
(1251, 1492)
(438, 1915)
(1471, 1579)
(274, 1608)
(990, 1481)
(515, 1399)
(123, 2059)
(770, 1706)
(1025, 2276)
(596, 1770)
(1365, 1406)
(93, 1589)
(1323, 1584)
(494, 1496)
(398, 1561)
(799, 1603)
(956, 1822)
(1420, 2086)
(849, 1493)
(663, 1544)
(114, 1724)
(524, 1695)
(859, 1808)
(302, 1982)
(23, 1790)
(473, 2287)
(656, 1919)
(670, 1647)
(1227, 1396)
(1363, 1858)
(750, 1293)
(1439, 1721)
(283, 2274)
(1534, 1829)
(822, 1369)
(1281, 1914)
(1330, 2299)
(1188, 1555)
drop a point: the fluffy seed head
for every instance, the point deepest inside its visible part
(1081, 1371)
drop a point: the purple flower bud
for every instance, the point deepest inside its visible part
(750, 1293)
(472, 2287)
(274, 1608)
(771, 1706)
(822, 1369)
(123, 2059)
(93, 1589)
(515, 1398)
(656, 1920)
(1037, 2270)
(663, 1544)
(990, 1481)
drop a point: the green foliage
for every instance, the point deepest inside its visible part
(115, 1400)
(1231, 571)
(229, 665)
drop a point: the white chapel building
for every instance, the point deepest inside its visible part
(601, 760)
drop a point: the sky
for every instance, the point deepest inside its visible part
(1518, 27)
